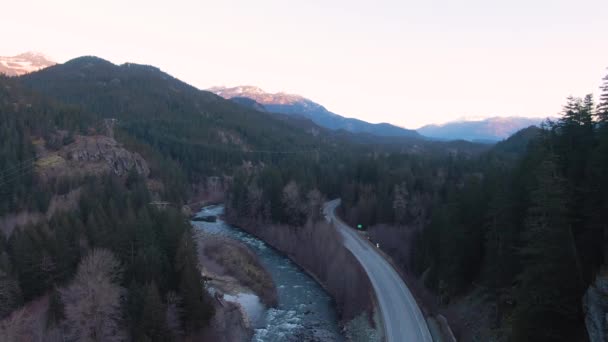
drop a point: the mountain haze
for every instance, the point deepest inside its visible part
(290, 104)
(491, 129)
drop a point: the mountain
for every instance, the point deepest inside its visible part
(108, 145)
(491, 129)
(249, 103)
(518, 142)
(206, 133)
(290, 104)
(181, 120)
(24, 63)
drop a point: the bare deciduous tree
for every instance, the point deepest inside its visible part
(254, 201)
(92, 301)
(10, 294)
(400, 202)
(25, 324)
(291, 202)
(174, 314)
(315, 205)
(15, 327)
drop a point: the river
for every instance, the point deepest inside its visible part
(305, 310)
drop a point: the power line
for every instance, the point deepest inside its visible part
(19, 170)
(226, 148)
(8, 193)
(22, 162)
(234, 149)
(7, 179)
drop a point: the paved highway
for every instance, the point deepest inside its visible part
(402, 319)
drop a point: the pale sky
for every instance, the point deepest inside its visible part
(400, 61)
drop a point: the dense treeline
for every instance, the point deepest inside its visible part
(114, 267)
(531, 231)
(282, 205)
(24, 116)
(525, 221)
(396, 189)
(154, 273)
(185, 133)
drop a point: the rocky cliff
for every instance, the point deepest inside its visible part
(84, 156)
(595, 304)
(90, 155)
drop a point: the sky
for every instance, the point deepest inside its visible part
(405, 62)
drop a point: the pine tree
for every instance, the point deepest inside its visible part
(56, 311)
(602, 108)
(153, 320)
(10, 294)
(549, 291)
(500, 259)
(400, 202)
(197, 309)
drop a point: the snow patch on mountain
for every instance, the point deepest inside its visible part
(24, 63)
(290, 104)
(490, 129)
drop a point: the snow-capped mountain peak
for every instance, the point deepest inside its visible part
(258, 94)
(24, 63)
(291, 104)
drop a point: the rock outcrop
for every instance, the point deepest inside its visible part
(91, 155)
(595, 304)
(84, 156)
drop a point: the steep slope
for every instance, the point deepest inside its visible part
(132, 92)
(73, 198)
(518, 142)
(143, 98)
(283, 103)
(204, 133)
(24, 63)
(249, 103)
(491, 129)
(188, 136)
(197, 127)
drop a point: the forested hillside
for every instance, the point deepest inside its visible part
(530, 231)
(524, 220)
(275, 168)
(522, 226)
(75, 226)
(105, 266)
(186, 134)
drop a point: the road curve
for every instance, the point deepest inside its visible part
(403, 321)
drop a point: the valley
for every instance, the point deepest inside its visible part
(103, 165)
(303, 311)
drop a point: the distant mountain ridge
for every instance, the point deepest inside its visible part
(24, 63)
(490, 129)
(290, 104)
(249, 102)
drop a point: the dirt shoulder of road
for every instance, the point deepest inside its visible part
(438, 324)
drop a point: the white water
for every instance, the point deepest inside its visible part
(252, 305)
(305, 311)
